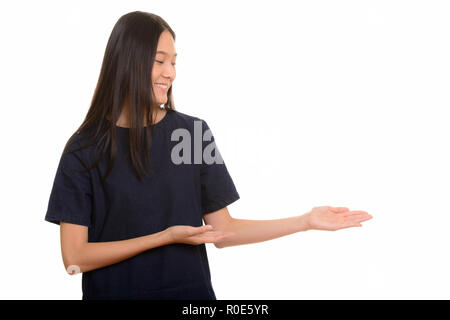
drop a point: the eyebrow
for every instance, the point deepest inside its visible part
(163, 52)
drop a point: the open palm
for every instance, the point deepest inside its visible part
(335, 218)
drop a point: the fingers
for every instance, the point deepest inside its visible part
(356, 219)
(206, 234)
(351, 225)
(346, 212)
(214, 233)
(217, 235)
(338, 209)
(356, 213)
(213, 236)
(198, 230)
(353, 222)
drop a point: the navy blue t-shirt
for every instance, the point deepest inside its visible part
(122, 207)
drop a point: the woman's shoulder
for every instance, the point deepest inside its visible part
(188, 121)
(82, 144)
(185, 117)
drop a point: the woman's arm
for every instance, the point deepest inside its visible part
(251, 231)
(79, 255)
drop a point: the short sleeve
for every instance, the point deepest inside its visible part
(71, 195)
(217, 187)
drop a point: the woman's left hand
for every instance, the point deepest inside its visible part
(335, 218)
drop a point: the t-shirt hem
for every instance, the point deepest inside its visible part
(57, 219)
(217, 205)
(161, 294)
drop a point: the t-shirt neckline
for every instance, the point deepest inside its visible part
(159, 123)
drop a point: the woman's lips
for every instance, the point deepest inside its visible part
(162, 87)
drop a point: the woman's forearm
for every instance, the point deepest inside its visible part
(251, 231)
(94, 255)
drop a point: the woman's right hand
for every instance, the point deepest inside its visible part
(195, 235)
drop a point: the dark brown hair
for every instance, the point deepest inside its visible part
(126, 76)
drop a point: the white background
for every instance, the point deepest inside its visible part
(341, 103)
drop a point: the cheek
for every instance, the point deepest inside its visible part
(154, 75)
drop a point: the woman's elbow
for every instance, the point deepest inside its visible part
(71, 267)
(223, 244)
(219, 245)
(73, 238)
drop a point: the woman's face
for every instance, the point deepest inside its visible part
(163, 73)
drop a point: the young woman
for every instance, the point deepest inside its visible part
(128, 197)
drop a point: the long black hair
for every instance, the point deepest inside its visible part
(126, 76)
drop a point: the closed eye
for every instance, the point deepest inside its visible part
(163, 62)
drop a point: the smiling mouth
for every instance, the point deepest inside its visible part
(162, 85)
